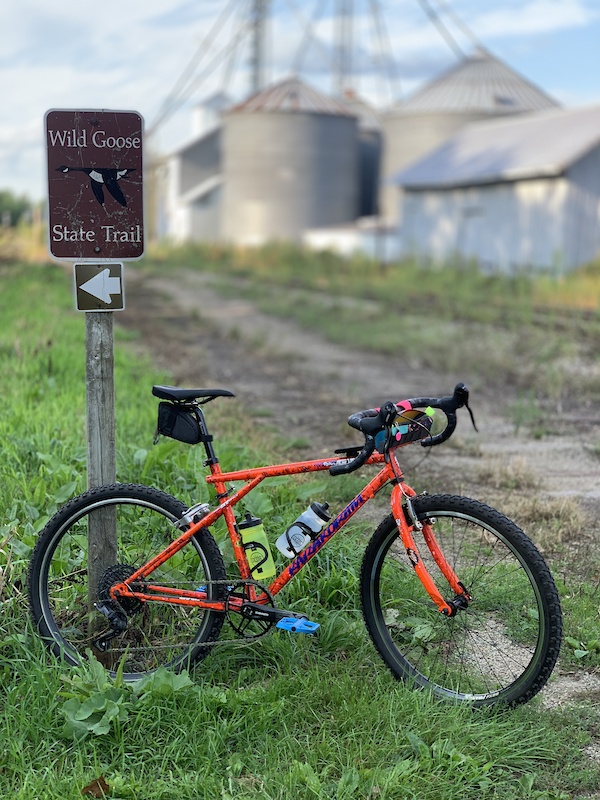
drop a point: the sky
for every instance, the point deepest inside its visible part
(153, 56)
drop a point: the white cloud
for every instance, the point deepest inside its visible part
(537, 17)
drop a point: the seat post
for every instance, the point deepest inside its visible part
(207, 439)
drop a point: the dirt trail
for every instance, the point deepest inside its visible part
(306, 386)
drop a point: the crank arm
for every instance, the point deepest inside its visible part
(256, 611)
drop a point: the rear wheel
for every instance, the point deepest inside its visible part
(156, 634)
(504, 646)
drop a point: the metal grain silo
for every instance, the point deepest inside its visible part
(290, 162)
(369, 153)
(478, 88)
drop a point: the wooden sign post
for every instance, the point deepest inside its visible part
(95, 207)
(101, 447)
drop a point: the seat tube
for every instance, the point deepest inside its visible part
(234, 535)
(413, 553)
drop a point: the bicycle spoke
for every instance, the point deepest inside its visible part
(503, 645)
(157, 633)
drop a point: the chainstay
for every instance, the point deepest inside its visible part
(240, 641)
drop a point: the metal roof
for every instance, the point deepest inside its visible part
(192, 144)
(368, 118)
(202, 189)
(293, 95)
(508, 149)
(479, 83)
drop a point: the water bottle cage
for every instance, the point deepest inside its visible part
(305, 529)
(256, 546)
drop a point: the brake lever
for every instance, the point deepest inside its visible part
(461, 398)
(388, 413)
(461, 393)
(472, 417)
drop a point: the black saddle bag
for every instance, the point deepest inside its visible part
(178, 421)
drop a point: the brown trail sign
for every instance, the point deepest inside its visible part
(95, 175)
(99, 287)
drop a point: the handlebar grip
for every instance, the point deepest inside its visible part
(452, 402)
(371, 421)
(356, 463)
(432, 441)
(449, 406)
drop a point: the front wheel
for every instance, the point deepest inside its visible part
(63, 599)
(503, 647)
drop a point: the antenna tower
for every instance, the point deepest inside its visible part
(344, 45)
(258, 23)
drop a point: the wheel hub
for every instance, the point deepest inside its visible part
(118, 574)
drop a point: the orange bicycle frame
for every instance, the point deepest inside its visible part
(390, 473)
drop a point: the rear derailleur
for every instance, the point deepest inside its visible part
(116, 612)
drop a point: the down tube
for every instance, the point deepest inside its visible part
(342, 518)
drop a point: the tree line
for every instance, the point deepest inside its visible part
(13, 208)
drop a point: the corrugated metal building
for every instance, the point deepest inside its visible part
(291, 159)
(190, 208)
(510, 194)
(194, 190)
(480, 87)
(287, 159)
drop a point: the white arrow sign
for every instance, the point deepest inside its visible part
(102, 286)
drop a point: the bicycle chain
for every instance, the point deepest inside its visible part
(243, 641)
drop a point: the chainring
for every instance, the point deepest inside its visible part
(244, 626)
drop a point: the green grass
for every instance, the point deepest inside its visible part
(278, 721)
(286, 718)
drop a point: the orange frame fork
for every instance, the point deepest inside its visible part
(391, 472)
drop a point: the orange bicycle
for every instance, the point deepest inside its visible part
(454, 595)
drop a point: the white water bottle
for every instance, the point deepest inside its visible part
(301, 531)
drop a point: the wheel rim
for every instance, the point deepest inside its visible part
(487, 653)
(157, 635)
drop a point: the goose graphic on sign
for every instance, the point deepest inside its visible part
(100, 177)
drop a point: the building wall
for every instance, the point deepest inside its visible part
(409, 136)
(175, 213)
(199, 219)
(199, 161)
(505, 227)
(582, 216)
(369, 166)
(380, 244)
(204, 217)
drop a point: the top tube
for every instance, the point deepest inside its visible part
(293, 468)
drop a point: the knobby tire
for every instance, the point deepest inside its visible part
(503, 648)
(157, 634)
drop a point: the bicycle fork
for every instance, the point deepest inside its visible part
(402, 492)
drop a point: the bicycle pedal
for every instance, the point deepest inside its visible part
(296, 625)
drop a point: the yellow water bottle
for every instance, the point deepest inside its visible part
(257, 548)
